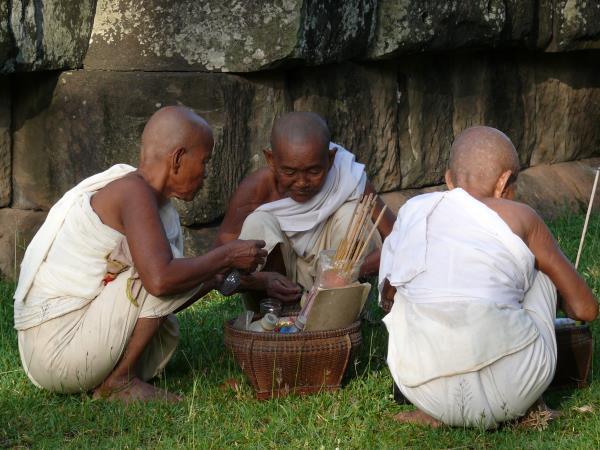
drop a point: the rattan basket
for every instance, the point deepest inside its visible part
(574, 347)
(302, 363)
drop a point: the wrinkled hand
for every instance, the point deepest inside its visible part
(281, 288)
(246, 255)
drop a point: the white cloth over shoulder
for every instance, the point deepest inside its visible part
(303, 222)
(461, 275)
(65, 263)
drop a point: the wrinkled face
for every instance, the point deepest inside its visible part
(192, 170)
(300, 168)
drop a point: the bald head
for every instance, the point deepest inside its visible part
(479, 156)
(300, 128)
(173, 127)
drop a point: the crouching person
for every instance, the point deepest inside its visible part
(471, 329)
(101, 280)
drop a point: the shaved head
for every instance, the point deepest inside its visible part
(479, 156)
(300, 128)
(173, 127)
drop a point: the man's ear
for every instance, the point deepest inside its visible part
(448, 179)
(500, 190)
(268, 153)
(176, 158)
(331, 155)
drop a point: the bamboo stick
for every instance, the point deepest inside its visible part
(366, 242)
(587, 218)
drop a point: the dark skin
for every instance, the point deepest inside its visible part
(176, 147)
(297, 170)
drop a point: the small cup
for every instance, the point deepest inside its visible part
(270, 305)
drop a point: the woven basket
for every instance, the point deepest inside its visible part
(574, 357)
(301, 363)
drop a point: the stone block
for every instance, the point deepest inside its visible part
(226, 36)
(565, 107)
(42, 35)
(198, 241)
(576, 25)
(359, 104)
(6, 39)
(5, 143)
(409, 26)
(559, 189)
(71, 125)
(17, 228)
(395, 200)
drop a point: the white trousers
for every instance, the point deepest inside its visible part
(302, 268)
(77, 351)
(505, 389)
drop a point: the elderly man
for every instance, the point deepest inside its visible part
(300, 204)
(102, 278)
(471, 330)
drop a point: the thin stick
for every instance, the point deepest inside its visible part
(364, 246)
(587, 218)
(363, 230)
(358, 236)
(343, 243)
(356, 229)
(338, 253)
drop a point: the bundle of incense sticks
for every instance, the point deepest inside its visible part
(354, 244)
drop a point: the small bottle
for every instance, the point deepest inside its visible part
(267, 323)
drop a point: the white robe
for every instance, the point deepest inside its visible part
(65, 263)
(461, 275)
(303, 222)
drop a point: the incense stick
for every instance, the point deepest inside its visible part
(587, 218)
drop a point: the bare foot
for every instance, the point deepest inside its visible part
(417, 417)
(134, 390)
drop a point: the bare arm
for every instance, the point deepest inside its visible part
(578, 300)
(370, 265)
(247, 197)
(161, 274)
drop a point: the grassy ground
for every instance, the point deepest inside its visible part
(359, 416)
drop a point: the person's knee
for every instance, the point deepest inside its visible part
(257, 222)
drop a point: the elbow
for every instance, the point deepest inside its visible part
(590, 313)
(157, 286)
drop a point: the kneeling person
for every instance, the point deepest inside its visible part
(471, 329)
(101, 279)
(300, 204)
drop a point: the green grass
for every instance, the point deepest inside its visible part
(358, 416)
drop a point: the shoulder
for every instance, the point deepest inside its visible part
(521, 218)
(256, 187)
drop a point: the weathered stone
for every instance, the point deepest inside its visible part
(565, 107)
(365, 124)
(5, 143)
(6, 40)
(44, 34)
(72, 125)
(239, 36)
(425, 121)
(17, 228)
(576, 25)
(395, 200)
(197, 241)
(271, 99)
(411, 26)
(559, 189)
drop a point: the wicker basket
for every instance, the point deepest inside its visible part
(574, 361)
(301, 363)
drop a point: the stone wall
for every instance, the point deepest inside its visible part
(396, 80)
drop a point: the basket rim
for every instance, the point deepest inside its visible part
(273, 336)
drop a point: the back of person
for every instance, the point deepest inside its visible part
(471, 330)
(465, 243)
